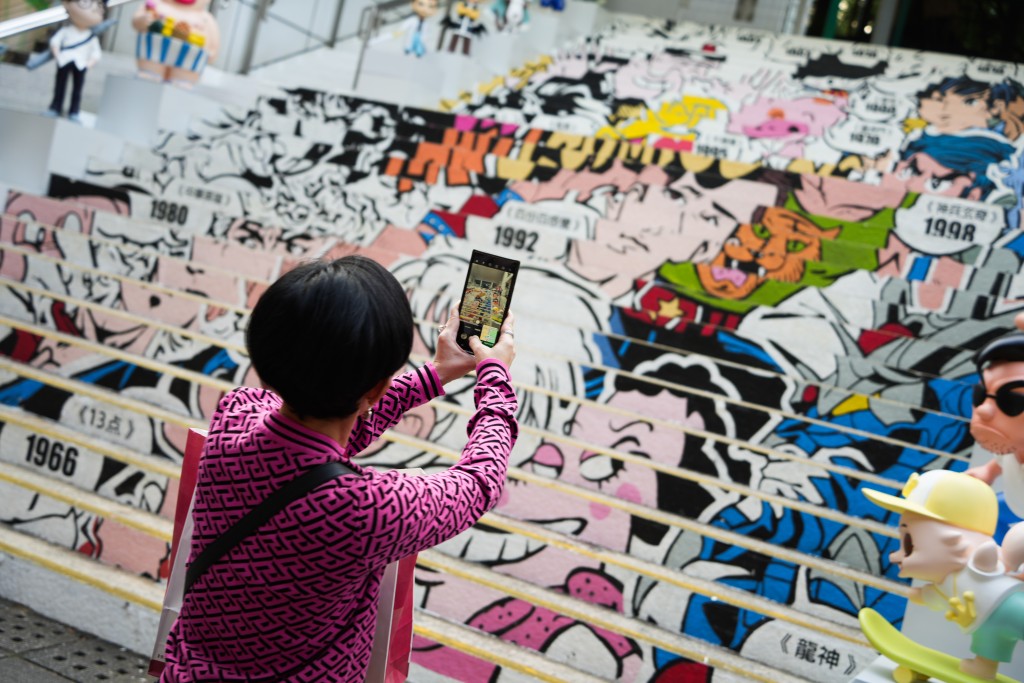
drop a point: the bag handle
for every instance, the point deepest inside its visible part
(260, 514)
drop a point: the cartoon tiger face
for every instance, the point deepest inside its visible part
(778, 248)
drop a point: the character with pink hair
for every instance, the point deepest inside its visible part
(786, 127)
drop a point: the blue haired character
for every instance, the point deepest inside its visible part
(951, 165)
(955, 104)
(959, 103)
(1006, 104)
(412, 28)
(557, 5)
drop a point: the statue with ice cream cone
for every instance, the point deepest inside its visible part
(946, 524)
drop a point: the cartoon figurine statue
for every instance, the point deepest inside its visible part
(511, 15)
(177, 39)
(997, 422)
(946, 526)
(412, 28)
(465, 26)
(76, 49)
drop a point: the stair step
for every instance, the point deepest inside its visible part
(91, 245)
(675, 521)
(601, 617)
(496, 650)
(692, 476)
(124, 609)
(76, 497)
(237, 348)
(109, 579)
(420, 445)
(750, 602)
(27, 421)
(545, 305)
(852, 291)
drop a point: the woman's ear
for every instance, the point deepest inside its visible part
(377, 392)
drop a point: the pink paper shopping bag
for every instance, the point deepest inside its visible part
(181, 541)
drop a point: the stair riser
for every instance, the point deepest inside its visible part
(814, 348)
(83, 531)
(84, 606)
(558, 636)
(209, 318)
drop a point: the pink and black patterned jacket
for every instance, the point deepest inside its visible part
(297, 600)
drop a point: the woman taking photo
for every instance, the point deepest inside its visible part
(297, 599)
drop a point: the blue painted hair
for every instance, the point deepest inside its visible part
(963, 153)
(959, 85)
(1007, 91)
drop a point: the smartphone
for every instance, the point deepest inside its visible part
(485, 298)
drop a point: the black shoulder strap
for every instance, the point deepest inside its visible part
(78, 44)
(260, 514)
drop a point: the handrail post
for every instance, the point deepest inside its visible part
(254, 32)
(337, 24)
(371, 13)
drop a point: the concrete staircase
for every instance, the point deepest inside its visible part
(681, 506)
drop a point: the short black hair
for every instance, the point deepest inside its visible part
(327, 332)
(1007, 348)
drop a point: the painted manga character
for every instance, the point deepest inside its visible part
(609, 655)
(949, 436)
(959, 103)
(760, 336)
(950, 165)
(77, 529)
(762, 263)
(785, 128)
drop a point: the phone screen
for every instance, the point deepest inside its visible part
(486, 297)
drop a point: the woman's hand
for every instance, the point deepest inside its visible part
(450, 361)
(504, 350)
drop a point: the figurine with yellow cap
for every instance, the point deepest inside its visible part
(946, 524)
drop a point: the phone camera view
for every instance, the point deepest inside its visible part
(484, 302)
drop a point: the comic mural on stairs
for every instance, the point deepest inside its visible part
(744, 342)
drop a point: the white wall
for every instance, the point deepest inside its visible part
(768, 14)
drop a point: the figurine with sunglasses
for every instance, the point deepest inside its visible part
(997, 422)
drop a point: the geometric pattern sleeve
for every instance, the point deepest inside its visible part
(407, 391)
(413, 513)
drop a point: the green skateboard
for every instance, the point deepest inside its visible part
(916, 663)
